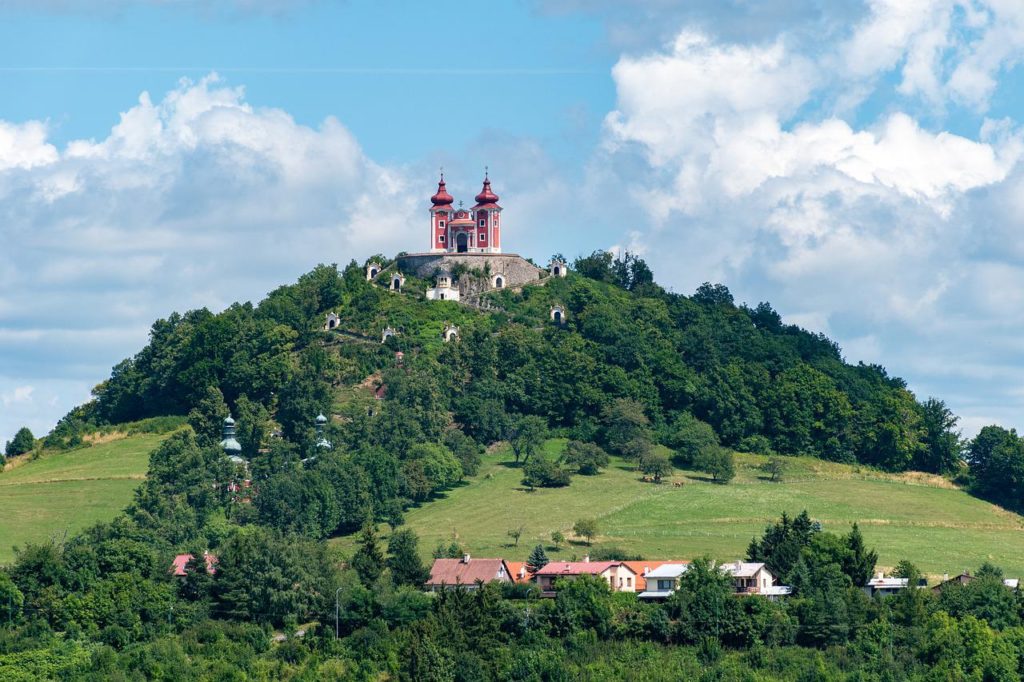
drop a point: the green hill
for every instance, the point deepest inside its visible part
(63, 492)
(942, 529)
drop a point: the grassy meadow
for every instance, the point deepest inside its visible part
(64, 492)
(922, 518)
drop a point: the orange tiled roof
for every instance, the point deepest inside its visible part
(641, 568)
(515, 567)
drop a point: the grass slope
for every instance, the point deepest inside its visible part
(921, 518)
(67, 491)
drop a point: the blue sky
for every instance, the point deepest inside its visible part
(857, 164)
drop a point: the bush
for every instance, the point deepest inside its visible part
(543, 473)
(588, 458)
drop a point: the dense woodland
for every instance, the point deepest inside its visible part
(635, 372)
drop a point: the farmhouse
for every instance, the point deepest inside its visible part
(466, 572)
(753, 578)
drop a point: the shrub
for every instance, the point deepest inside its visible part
(543, 473)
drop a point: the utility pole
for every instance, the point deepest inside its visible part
(337, 612)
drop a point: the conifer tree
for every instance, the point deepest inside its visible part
(538, 559)
(859, 564)
(404, 559)
(368, 561)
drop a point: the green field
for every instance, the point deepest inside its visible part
(924, 519)
(65, 492)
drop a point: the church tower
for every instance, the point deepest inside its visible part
(440, 216)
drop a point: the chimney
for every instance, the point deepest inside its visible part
(945, 577)
(880, 575)
(586, 558)
(522, 572)
(465, 558)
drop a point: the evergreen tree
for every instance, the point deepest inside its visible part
(537, 560)
(859, 563)
(404, 559)
(368, 561)
(198, 582)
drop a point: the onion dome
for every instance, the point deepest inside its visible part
(442, 199)
(228, 443)
(321, 441)
(486, 196)
(321, 419)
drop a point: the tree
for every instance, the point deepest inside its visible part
(690, 438)
(656, 465)
(515, 534)
(529, 434)
(404, 559)
(557, 538)
(859, 563)
(775, 467)
(198, 582)
(368, 560)
(537, 560)
(718, 462)
(586, 528)
(252, 425)
(588, 458)
(22, 442)
(941, 441)
(624, 421)
(207, 418)
(543, 473)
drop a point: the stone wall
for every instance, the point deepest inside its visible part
(514, 268)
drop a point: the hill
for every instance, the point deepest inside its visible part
(942, 528)
(64, 492)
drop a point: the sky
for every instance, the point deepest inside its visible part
(857, 164)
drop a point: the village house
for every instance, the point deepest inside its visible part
(966, 577)
(754, 578)
(882, 586)
(619, 576)
(466, 572)
(662, 581)
(181, 561)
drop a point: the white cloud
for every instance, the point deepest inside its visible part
(892, 236)
(20, 394)
(194, 199)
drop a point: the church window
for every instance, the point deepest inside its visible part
(483, 236)
(441, 237)
(483, 223)
(440, 224)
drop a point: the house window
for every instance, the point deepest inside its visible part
(629, 582)
(664, 585)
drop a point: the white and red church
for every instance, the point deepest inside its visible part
(461, 230)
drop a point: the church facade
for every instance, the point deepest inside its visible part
(467, 240)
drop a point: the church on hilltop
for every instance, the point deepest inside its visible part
(460, 230)
(465, 257)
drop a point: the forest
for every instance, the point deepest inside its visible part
(635, 371)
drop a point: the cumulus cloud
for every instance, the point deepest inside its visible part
(890, 236)
(194, 199)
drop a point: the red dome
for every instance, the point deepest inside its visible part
(486, 196)
(442, 198)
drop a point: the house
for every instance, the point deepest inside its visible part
(519, 572)
(620, 577)
(662, 581)
(882, 586)
(642, 568)
(181, 561)
(753, 578)
(466, 572)
(966, 577)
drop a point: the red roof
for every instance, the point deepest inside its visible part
(642, 567)
(557, 568)
(520, 573)
(442, 199)
(178, 565)
(468, 571)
